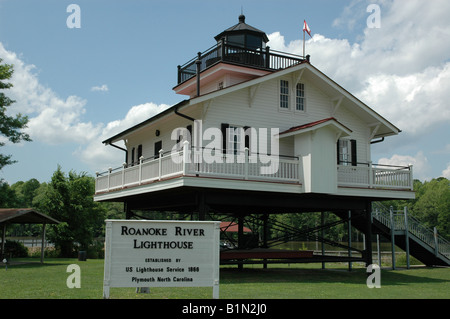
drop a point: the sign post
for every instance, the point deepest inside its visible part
(144, 253)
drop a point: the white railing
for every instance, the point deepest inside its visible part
(375, 176)
(246, 167)
(190, 163)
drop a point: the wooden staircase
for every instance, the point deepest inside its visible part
(410, 235)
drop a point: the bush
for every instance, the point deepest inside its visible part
(15, 249)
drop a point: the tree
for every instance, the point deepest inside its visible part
(69, 199)
(25, 192)
(8, 197)
(432, 206)
(10, 126)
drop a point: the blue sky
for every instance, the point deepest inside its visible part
(81, 85)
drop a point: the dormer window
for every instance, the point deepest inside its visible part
(284, 95)
(300, 97)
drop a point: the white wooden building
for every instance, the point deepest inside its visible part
(272, 109)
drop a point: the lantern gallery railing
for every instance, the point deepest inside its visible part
(224, 52)
(245, 167)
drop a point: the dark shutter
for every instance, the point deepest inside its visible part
(158, 147)
(337, 152)
(224, 128)
(132, 156)
(354, 158)
(247, 136)
(139, 152)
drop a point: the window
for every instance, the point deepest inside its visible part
(347, 152)
(284, 95)
(300, 97)
(235, 140)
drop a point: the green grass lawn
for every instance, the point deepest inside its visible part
(300, 281)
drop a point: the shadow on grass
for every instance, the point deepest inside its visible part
(36, 262)
(355, 276)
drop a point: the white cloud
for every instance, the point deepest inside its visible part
(421, 166)
(401, 69)
(52, 120)
(103, 88)
(446, 172)
(55, 121)
(98, 156)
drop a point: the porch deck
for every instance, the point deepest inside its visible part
(286, 170)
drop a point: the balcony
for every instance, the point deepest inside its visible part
(244, 167)
(264, 59)
(188, 162)
(376, 176)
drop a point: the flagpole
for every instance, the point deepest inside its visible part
(303, 43)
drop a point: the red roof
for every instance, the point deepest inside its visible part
(232, 227)
(312, 124)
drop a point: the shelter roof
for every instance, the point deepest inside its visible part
(232, 227)
(25, 216)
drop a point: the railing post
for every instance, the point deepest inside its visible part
(246, 163)
(124, 164)
(267, 57)
(96, 182)
(185, 157)
(198, 63)
(411, 177)
(222, 49)
(406, 236)
(160, 163)
(141, 159)
(436, 248)
(370, 175)
(391, 212)
(300, 170)
(109, 177)
(179, 74)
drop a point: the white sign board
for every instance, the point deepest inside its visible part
(144, 253)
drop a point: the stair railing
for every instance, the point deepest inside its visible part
(415, 227)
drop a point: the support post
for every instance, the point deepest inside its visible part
(2, 253)
(240, 236)
(436, 247)
(378, 250)
(43, 243)
(265, 234)
(322, 222)
(368, 237)
(391, 213)
(406, 236)
(127, 209)
(349, 224)
(202, 207)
